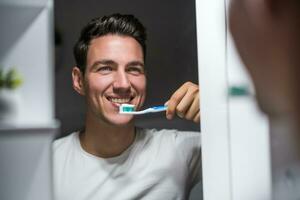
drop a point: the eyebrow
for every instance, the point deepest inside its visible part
(135, 63)
(103, 62)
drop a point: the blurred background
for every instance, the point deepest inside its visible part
(171, 56)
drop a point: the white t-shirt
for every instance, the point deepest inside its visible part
(159, 165)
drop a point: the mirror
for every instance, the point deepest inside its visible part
(171, 56)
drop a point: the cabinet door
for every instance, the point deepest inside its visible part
(26, 163)
(211, 45)
(235, 148)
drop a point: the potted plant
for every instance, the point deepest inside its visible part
(10, 80)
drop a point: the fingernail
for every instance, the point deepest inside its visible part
(169, 116)
(180, 115)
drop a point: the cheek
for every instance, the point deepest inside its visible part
(139, 83)
(98, 84)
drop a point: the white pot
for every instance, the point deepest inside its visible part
(9, 106)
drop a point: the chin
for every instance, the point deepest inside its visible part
(274, 106)
(120, 120)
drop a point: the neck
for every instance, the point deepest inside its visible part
(106, 140)
(285, 141)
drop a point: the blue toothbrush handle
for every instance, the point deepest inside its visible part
(159, 108)
(149, 110)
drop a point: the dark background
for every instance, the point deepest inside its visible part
(171, 54)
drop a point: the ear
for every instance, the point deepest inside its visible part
(274, 6)
(78, 80)
(265, 6)
(260, 13)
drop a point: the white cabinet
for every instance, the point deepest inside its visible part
(27, 45)
(235, 135)
(26, 39)
(211, 45)
(26, 160)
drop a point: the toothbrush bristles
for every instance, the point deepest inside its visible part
(126, 108)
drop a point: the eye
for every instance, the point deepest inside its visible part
(135, 70)
(105, 69)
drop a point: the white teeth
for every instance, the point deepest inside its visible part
(116, 100)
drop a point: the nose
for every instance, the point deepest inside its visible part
(121, 82)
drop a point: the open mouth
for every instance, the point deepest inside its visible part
(118, 101)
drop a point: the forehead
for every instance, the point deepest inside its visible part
(114, 47)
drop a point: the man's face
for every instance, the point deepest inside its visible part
(114, 75)
(263, 39)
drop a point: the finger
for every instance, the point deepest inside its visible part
(197, 118)
(167, 103)
(175, 100)
(193, 109)
(187, 101)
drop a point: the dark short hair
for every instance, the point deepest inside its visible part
(115, 24)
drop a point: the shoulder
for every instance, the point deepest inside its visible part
(171, 135)
(185, 145)
(64, 143)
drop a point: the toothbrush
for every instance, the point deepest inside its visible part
(129, 109)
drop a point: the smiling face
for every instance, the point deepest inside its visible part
(114, 75)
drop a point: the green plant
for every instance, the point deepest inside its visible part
(10, 79)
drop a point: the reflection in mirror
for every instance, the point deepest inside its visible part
(121, 156)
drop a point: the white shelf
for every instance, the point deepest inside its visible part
(21, 3)
(54, 125)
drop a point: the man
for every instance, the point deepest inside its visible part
(266, 33)
(111, 158)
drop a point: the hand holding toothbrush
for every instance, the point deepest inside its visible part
(185, 103)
